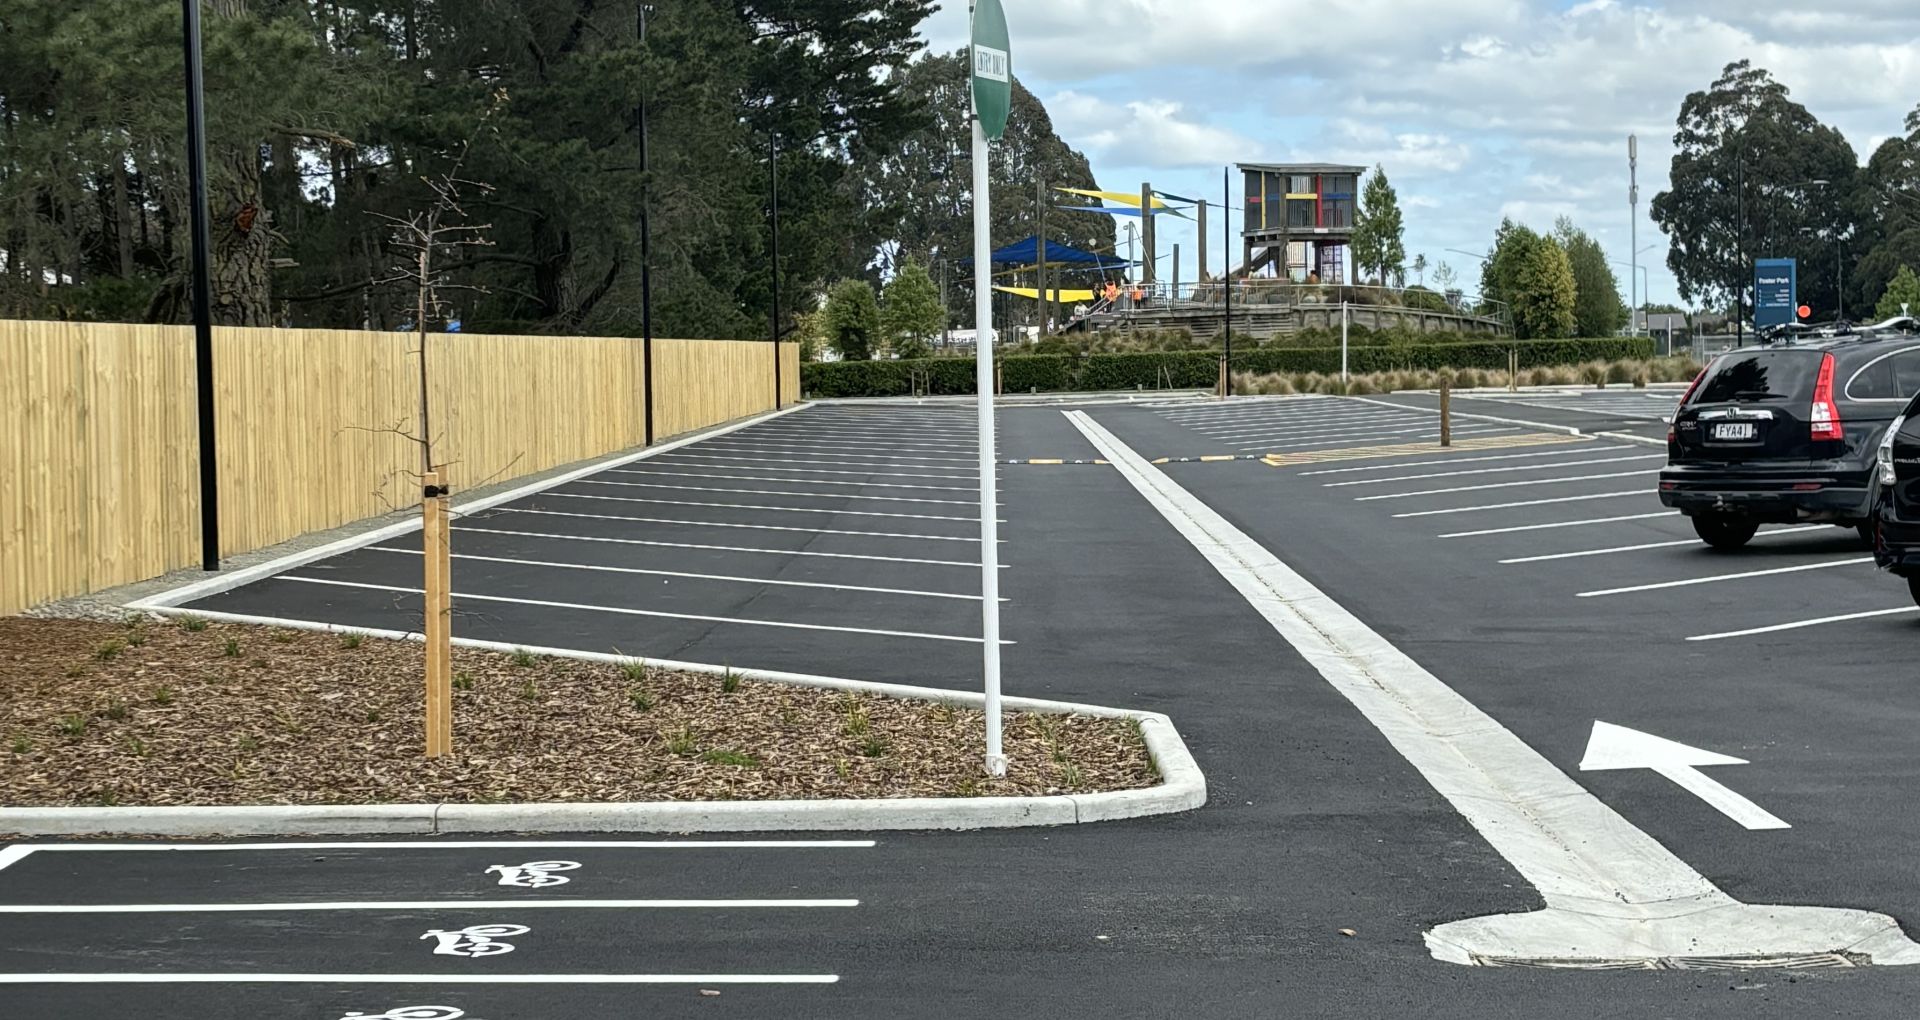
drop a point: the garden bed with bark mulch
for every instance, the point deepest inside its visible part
(190, 712)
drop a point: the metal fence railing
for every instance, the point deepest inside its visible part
(1286, 294)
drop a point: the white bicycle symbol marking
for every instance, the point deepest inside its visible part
(475, 940)
(413, 1013)
(533, 874)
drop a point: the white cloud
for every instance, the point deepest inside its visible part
(1476, 108)
(1153, 133)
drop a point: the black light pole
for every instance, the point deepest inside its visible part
(773, 204)
(646, 250)
(1740, 290)
(202, 285)
(1226, 245)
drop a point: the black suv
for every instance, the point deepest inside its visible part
(1897, 547)
(1787, 433)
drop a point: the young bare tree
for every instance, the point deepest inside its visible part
(424, 243)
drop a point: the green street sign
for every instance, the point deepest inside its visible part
(992, 68)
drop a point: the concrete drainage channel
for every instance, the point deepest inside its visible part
(1182, 787)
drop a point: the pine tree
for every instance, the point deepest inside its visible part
(911, 315)
(1379, 235)
(1597, 308)
(852, 320)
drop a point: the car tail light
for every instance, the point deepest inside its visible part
(1887, 478)
(1672, 436)
(1826, 413)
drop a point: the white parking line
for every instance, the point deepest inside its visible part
(1250, 424)
(1559, 524)
(907, 437)
(622, 611)
(1649, 545)
(756, 506)
(792, 481)
(689, 576)
(406, 905)
(1375, 439)
(1563, 480)
(423, 980)
(1799, 624)
(1493, 471)
(489, 844)
(781, 492)
(749, 527)
(1525, 502)
(1561, 450)
(723, 548)
(1395, 429)
(1399, 420)
(762, 466)
(780, 451)
(1717, 578)
(804, 461)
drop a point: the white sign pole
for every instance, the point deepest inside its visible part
(989, 500)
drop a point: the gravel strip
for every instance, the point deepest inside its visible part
(189, 712)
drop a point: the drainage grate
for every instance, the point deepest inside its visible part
(1794, 961)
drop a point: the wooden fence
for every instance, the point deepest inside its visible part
(98, 437)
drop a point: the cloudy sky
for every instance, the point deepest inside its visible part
(1478, 109)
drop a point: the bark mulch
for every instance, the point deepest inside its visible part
(173, 712)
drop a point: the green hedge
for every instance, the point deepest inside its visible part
(1193, 369)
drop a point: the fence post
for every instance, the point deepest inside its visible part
(1446, 410)
(999, 383)
(439, 616)
(1513, 370)
(1220, 387)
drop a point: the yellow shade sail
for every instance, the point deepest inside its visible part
(1116, 197)
(1033, 294)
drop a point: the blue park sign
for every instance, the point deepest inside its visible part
(1775, 292)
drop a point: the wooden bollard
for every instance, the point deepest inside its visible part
(1220, 387)
(1446, 411)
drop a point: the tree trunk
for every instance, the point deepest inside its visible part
(553, 275)
(123, 216)
(242, 244)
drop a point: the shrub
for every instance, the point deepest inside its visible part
(1199, 369)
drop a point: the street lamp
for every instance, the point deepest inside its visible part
(1645, 287)
(1468, 254)
(202, 232)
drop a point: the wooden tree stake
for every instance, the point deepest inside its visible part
(439, 616)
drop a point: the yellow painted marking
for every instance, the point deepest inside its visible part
(1215, 459)
(1164, 460)
(1055, 460)
(1429, 448)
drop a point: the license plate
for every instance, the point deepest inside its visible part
(1735, 430)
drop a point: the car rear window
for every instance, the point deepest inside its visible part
(1760, 377)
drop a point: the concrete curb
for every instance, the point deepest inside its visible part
(1182, 788)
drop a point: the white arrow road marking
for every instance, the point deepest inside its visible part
(1617, 747)
(1612, 892)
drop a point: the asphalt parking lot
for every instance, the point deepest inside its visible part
(1551, 589)
(1532, 571)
